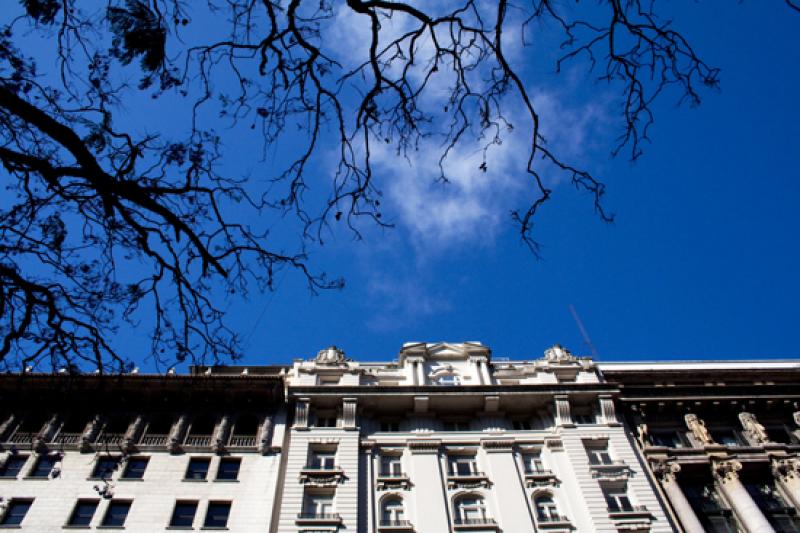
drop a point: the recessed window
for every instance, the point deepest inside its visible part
(318, 505)
(391, 465)
(470, 510)
(546, 509)
(325, 420)
(135, 467)
(533, 463)
(390, 426)
(521, 425)
(617, 500)
(456, 425)
(217, 514)
(13, 466)
(228, 468)
(15, 513)
(599, 454)
(198, 468)
(83, 512)
(44, 465)
(462, 465)
(183, 514)
(116, 513)
(105, 466)
(392, 513)
(322, 459)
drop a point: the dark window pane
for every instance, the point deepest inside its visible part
(135, 468)
(83, 513)
(217, 515)
(198, 468)
(104, 467)
(228, 468)
(13, 466)
(183, 515)
(16, 512)
(44, 465)
(117, 513)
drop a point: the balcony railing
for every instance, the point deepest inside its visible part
(68, 439)
(110, 438)
(395, 523)
(459, 521)
(242, 441)
(466, 474)
(22, 437)
(319, 517)
(635, 509)
(553, 518)
(153, 439)
(198, 440)
(539, 472)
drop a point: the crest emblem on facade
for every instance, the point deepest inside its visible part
(330, 356)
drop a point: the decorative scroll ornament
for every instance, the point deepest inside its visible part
(753, 428)
(786, 469)
(330, 356)
(665, 470)
(727, 471)
(698, 429)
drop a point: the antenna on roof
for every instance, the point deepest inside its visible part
(582, 329)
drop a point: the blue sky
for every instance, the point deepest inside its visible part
(702, 261)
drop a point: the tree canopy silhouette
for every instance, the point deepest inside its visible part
(103, 224)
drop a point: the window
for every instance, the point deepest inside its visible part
(44, 465)
(546, 510)
(198, 468)
(83, 512)
(456, 425)
(228, 468)
(104, 467)
(463, 465)
(392, 513)
(13, 466)
(617, 500)
(217, 514)
(116, 513)
(599, 455)
(533, 463)
(322, 459)
(448, 380)
(135, 468)
(668, 438)
(727, 437)
(521, 425)
(390, 426)
(183, 514)
(325, 420)
(15, 513)
(391, 465)
(470, 510)
(318, 504)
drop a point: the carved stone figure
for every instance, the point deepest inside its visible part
(727, 470)
(753, 428)
(330, 356)
(786, 469)
(558, 354)
(641, 435)
(698, 429)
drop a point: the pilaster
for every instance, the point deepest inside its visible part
(726, 474)
(666, 472)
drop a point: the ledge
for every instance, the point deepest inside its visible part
(471, 481)
(318, 519)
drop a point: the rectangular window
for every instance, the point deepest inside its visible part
(322, 459)
(599, 454)
(228, 468)
(318, 504)
(135, 467)
(617, 500)
(15, 513)
(44, 465)
(533, 463)
(463, 465)
(217, 514)
(183, 514)
(390, 426)
(391, 465)
(198, 468)
(116, 513)
(13, 466)
(83, 512)
(325, 420)
(105, 466)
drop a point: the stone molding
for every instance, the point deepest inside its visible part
(726, 471)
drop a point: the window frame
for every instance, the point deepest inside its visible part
(35, 473)
(546, 508)
(388, 462)
(227, 461)
(454, 460)
(72, 521)
(127, 470)
(100, 461)
(464, 512)
(226, 504)
(393, 509)
(107, 515)
(196, 460)
(621, 500)
(5, 520)
(22, 460)
(194, 504)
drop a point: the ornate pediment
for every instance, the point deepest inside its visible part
(330, 356)
(445, 350)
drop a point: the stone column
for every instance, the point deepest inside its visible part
(264, 434)
(368, 448)
(421, 373)
(787, 473)
(665, 472)
(562, 411)
(4, 458)
(301, 409)
(484, 368)
(608, 411)
(750, 516)
(349, 413)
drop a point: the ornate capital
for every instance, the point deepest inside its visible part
(726, 471)
(786, 468)
(665, 470)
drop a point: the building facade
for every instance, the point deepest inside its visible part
(444, 438)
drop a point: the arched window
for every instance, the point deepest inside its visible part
(471, 509)
(546, 509)
(448, 380)
(392, 512)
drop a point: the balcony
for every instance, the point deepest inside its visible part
(395, 525)
(614, 471)
(470, 480)
(22, 437)
(68, 439)
(463, 523)
(318, 518)
(242, 441)
(393, 480)
(537, 478)
(321, 476)
(634, 512)
(553, 522)
(154, 439)
(198, 441)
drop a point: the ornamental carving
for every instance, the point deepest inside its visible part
(786, 469)
(330, 356)
(698, 429)
(726, 471)
(558, 354)
(753, 428)
(665, 470)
